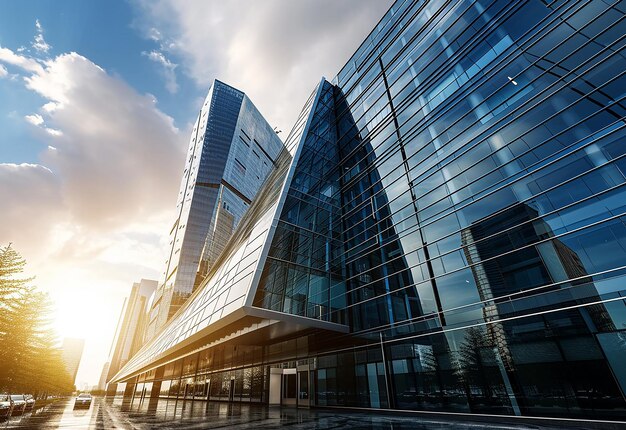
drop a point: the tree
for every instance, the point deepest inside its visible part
(30, 362)
(474, 364)
(11, 264)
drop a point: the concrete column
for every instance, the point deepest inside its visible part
(154, 396)
(129, 391)
(276, 377)
(156, 389)
(111, 390)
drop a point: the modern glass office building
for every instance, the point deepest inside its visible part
(232, 149)
(446, 230)
(131, 327)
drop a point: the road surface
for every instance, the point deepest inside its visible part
(170, 414)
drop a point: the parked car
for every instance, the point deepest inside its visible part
(82, 401)
(19, 404)
(30, 402)
(6, 406)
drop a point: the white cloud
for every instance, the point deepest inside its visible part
(32, 202)
(117, 157)
(35, 119)
(275, 51)
(3, 71)
(167, 69)
(40, 43)
(38, 121)
(26, 63)
(154, 34)
(50, 107)
(115, 148)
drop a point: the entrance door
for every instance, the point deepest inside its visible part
(231, 394)
(304, 390)
(289, 387)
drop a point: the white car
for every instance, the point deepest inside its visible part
(19, 404)
(82, 401)
(6, 406)
(30, 402)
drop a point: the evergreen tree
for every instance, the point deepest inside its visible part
(29, 360)
(475, 363)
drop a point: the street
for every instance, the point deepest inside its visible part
(170, 414)
(62, 415)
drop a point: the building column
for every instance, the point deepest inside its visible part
(129, 391)
(154, 396)
(111, 390)
(275, 385)
(156, 389)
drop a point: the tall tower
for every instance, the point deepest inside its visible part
(102, 382)
(231, 151)
(132, 325)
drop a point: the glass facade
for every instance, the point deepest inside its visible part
(454, 197)
(302, 265)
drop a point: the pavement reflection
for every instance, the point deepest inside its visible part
(175, 414)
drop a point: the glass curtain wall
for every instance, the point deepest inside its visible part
(482, 188)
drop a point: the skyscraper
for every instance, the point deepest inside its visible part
(132, 325)
(104, 374)
(72, 352)
(446, 230)
(231, 150)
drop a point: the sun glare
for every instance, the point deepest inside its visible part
(85, 311)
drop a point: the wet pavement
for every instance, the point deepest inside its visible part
(171, 414)
(62, 415)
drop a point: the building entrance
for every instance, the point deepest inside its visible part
(304, 386)
(290, 387)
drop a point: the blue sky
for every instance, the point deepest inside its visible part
(105, 33)
(96, 103)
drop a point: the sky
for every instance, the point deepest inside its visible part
(97, 100)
